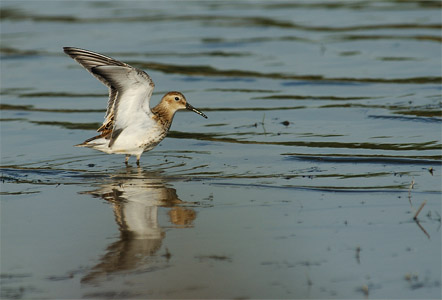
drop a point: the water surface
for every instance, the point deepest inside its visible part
(323, 142)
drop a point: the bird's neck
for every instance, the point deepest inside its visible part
(163, 114)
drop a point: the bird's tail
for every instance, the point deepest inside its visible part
(87, 143)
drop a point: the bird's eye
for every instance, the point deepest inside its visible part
(176, 98)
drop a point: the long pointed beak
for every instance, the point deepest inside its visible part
(190, 107)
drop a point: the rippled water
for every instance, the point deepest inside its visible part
(323, 142)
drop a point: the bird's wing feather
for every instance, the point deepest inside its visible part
(88, 60)
(100, 66)
(134, 89)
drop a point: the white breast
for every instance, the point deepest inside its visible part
(138, 136)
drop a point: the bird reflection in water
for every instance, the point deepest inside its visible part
(135, 198)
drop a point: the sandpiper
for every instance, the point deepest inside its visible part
(130, 126)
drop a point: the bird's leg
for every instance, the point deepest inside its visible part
(127, 159)
(138, 160)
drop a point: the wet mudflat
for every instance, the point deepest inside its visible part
(323, 144)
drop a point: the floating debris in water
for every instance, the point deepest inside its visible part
(364, 289)
(431, 170)
(358, 256)
(167, 255)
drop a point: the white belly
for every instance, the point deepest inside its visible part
(135, 141)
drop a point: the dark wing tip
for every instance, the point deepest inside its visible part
(68, 50)
(75, 51)
(72, 51)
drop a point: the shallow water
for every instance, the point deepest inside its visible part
(323, 142)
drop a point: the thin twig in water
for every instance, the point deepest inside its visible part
(419, 210)
(422, 228)
(409, 191)
(262, 123)
(358, 257)
(417, 221)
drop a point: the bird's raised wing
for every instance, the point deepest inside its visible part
(129, 88)
(134, 89)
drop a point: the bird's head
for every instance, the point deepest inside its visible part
(176, 101)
